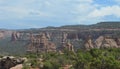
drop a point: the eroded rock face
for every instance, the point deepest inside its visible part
(48, 35)
(40, 43)
(15, 36)
(105, 42)
(118, 42)
(102, 42)
(89, 43)
(4, 34)
(109, 43)
(99, 42)
(1, 35)
(68, 46)
(64, 37)
(51, 47)
(73, 36)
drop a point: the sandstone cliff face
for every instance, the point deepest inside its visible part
(118, 42)
(99, 42)
(64, 37)
(15, 36)
(89, 43)
(5, 34)
(51, 47)
(1, 35)
(48, 35)
(68, 46)
(109, 43)
(40, 43)
(102, 42)
(105, 42)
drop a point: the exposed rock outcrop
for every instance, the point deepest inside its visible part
(15, 36)
(89, 43)
(68, 46)
(48, 35)
(20, 66)
(105, 42)
(118, 42)
(1, 35)
(64, 37)
(40, 43)
(99, 42)
(7, 63)
(109, 42)
(102, 42)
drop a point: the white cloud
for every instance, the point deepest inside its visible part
(105, 11)
(117, 1)
(81, 1)
(45, 8)
(73, 11)
(88, 1)
(16, 12)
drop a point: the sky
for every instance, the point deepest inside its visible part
(24, 14)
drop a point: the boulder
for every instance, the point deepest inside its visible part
(19, 66)
(7, 63)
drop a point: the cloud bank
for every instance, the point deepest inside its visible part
(41, 13)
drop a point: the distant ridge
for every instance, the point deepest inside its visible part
(106, 25)
(100, 25)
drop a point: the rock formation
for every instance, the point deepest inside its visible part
(15, 36)
(1, 35)
(105, 42)
(89, 43)
(99, 42)
(7, 63)
(51, 47)
(20, 66)
(40, 43)
(76, 37)
(4, 34)
(109, 43)
(102, 42)
(68, 46)
(64, 37)
(48, 35)
(118, 42)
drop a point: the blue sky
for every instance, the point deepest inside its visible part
(20, 14)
